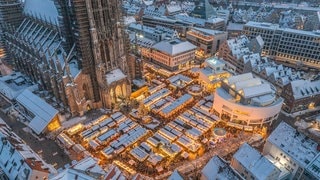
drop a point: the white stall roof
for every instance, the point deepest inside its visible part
(43, 112)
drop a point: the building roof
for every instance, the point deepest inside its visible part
(86, 169)
(192, 20)
(174, 47)
(13, 84)
(18, 154)
(89, 164)
(45, 9)
(115, 75)
(260, 92)
(175, 176)
(173, 8)
(217, 168)
(314, 167)
(42, 111)
(68, 174)
(305, 88)
(215, 62)
(180, 80)
(254, 162)
(274, 27)
(209, 31)
(238, 46)
(239, 78)
(203, 10)
(177, 103)
(294, 144)
(235, 27)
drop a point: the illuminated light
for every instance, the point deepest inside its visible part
(54, 124)
(75, 129)
(311, 105)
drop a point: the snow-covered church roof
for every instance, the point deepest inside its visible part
(45, 9)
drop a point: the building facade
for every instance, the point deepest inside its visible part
(250, 164)
(10, 19)
(180, 26)
(77, 53)
(236, 51)
(290, 46)
(291, 150)
(18, 160)
(172, 55)
(100, 44)
(301, 95)
(246, 102)
(207, 41)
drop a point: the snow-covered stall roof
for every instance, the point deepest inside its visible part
(42, 111)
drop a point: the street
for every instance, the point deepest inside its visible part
(46, 148)
(222, 149)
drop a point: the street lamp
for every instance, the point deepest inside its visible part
(136, 35)
(138, 62)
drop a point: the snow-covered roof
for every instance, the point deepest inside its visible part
(175, 176)
(13, 84)
(177, 103)
(257, 90)
(274, 27)
(45, 9)
(141, 41)
(238, 46)
(208, 31)
(180, 80)
(305, 88)
(174, 47)
(115, 75)
(173, 8)
(89, 164)
(259, 166)
(239, 78)
(214, 62)
(260, 92)
(18, 154)
(46, 41)
(203, 10)
(193, 20)
(86, 169)
(314, 167)
(157, 33)
(235, 27)
(43, 112)
(129, 19)
(217, 168)
(269, 69)
(294, 144)
(148, 2)
(155, 10)
(68, 174)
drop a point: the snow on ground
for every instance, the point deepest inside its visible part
(314, 131)
(302, 124)
(73, 121)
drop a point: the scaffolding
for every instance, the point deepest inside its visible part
(99, 38)
(10, 18)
